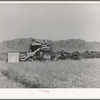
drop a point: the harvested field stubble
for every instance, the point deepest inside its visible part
(55, 74)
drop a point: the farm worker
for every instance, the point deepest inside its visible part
(41, 54)
(32, 42)
(62, 52)
(31, 46)
(45, 42)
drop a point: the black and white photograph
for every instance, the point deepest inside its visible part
(49, 45)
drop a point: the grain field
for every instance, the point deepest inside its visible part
(55, 74)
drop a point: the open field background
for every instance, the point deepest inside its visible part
(55, 74)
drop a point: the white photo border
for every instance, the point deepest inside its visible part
(47, 93)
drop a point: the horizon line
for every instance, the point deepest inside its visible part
(48, 39)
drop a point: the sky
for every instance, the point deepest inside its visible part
(50, 21)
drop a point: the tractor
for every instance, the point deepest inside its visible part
(62, 55)
(75, 56)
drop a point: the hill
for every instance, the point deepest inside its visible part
(23, 44)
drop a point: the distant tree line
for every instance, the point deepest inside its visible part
(90, 54)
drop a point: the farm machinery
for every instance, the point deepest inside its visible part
(44, 51)
(38, 51)
(67, 56)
